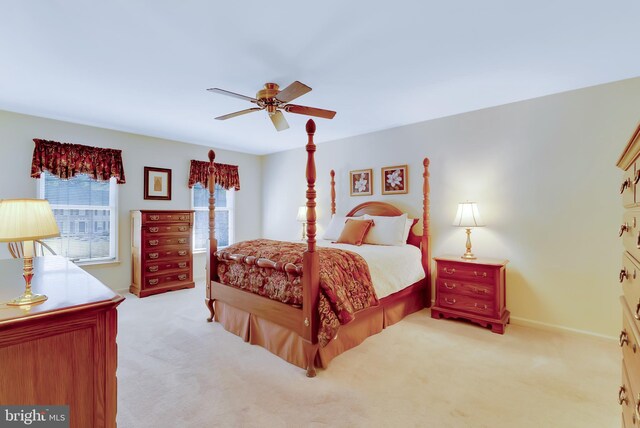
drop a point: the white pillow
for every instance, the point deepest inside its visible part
(335, 227)
(386, 230)
(407, 229)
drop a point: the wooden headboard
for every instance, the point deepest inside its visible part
(375, 208)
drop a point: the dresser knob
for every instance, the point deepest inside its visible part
(154, 242)
(623, 228)
(480, 290)
(450, 301)
(182, 265)
(484, 307)
(154, 229)
(484, 274)
(183, 217)
(154, 217)
(637, 177)
(154, 255)
(450, 272)
(183, 228)
(624, 338)
(153, 281)
(623, 274)
(637, 410)
(182, 252)
(637, 314)
(152, 268)
(450, 287)
(182, 241)
(182, 277)
(622, 395)
(625, 184)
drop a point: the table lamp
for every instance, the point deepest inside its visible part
(26, 220)
(468, 216)
(302, 218)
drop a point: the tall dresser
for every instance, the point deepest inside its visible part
(161, 251)
(629, 277)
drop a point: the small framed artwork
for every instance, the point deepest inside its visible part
(157, 183)
(395, 179)
(361, 184)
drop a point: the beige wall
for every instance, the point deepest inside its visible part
(16, 149)
(543, 172)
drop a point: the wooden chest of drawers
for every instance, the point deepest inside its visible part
(629, 278)
(473, 290)
(161, 251)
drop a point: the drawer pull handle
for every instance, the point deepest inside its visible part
(182, 265)
(624, 338)
(184, 217)
(154, 242)
(480, 290)
(152, 268)
(183, 228)
(622, 396)
(153, 229)
(637, 314)
(623, 228)
(450, 272)
(637, 410)
(154, 255)
(450, 301)
(484, 307)
(154, 217)
(484, 274)
(625, 184)
(450, 287)
(153, 281)
(182, 277)
(637, 177)
(638, 240)
(182, 241)
(182, 252)
(623, 274)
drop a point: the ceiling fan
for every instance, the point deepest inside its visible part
(275, 101)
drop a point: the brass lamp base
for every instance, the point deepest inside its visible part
(468, 255)
(27, 298)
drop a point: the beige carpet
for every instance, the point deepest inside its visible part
(177, 370)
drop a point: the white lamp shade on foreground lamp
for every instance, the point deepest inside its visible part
(26, 220)
(468, 217)
(302, 218)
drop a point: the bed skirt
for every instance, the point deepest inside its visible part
(289, 346)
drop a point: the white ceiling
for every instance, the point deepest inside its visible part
(143, 66)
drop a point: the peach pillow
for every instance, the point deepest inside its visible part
(354, 231)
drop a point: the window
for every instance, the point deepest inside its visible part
(78, 203)
(224, 216)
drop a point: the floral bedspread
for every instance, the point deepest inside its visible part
(345, 282)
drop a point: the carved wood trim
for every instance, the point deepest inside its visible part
(425, 247)
(212, 269)
(289, 268)
(333, 192)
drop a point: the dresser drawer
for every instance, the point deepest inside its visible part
(460, 271)
(164, 254)
(163, 241)
(163, 217)
(175, 229)
(153, 267)
(467, 304)
(629, 277)
(626, 399)
(167, 279)
(629, 232)
(452, 286)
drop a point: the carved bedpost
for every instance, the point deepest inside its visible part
(310, 270)
(425, 245)
(333, 193)
(212, 245)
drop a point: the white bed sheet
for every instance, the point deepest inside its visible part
(392, 268)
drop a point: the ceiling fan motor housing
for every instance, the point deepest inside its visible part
(266, 97)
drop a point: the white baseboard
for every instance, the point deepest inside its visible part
(553, 327)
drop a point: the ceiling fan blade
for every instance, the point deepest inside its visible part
(309, 111)
(279, 121)
(232, 94)
(238, 113)
(293, 91)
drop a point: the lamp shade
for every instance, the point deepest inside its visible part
(302, 214)
(26, 220)
(468, 215)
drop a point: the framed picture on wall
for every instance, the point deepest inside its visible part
(395, 179)
(157, 183)
(361, 184)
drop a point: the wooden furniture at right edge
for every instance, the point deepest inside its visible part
(473, 290)
(629, 277)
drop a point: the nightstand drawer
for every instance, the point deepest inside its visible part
(466, 304)
(452, 286)
(477, 273)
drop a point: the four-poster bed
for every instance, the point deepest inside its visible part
(291, 330)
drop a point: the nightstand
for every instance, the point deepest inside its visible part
(473, 290)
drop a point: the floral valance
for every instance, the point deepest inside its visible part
(226, 175)
(67, 160)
